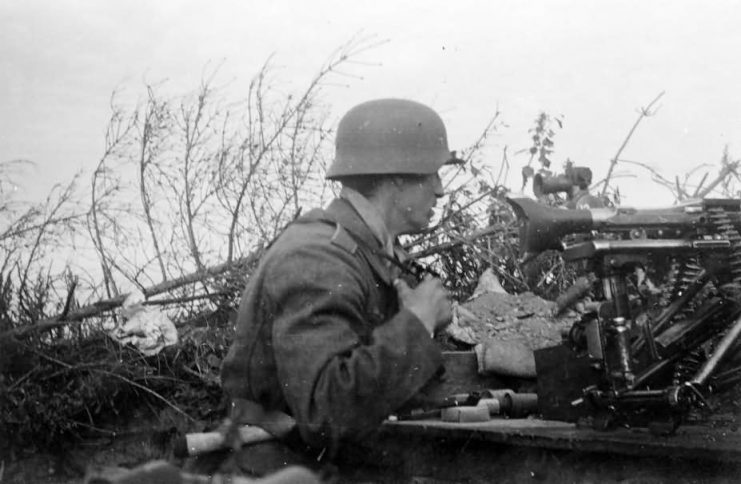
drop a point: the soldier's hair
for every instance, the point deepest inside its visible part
(367, 185)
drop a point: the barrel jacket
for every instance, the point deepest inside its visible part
(320, 334)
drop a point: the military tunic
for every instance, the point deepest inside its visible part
(320, 335)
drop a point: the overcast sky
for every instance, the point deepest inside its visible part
(593, 62)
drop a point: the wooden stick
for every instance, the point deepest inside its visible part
(728, 168)
(104, 305)
(465, 239)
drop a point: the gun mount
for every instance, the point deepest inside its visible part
(633, 360)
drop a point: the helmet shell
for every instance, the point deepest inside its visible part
(390, 136)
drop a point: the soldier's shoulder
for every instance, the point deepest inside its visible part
(317, 230)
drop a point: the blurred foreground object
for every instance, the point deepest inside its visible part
(160, 472)
(203, 442)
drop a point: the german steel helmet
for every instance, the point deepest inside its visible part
(390, 137)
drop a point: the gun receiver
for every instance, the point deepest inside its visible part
(544, 228)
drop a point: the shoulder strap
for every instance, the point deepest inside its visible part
(343, 238)
(352, 243)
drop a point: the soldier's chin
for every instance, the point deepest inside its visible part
(417, 230)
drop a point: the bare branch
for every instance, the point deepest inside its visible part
(156, 115)
(645, 112)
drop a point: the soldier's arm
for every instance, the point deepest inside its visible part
(340, 376)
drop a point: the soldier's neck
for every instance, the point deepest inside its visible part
(384, 201)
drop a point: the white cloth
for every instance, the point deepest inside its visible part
(146, 327)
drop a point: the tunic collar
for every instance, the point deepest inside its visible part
(372, 218)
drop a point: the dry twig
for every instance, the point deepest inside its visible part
(645, 112)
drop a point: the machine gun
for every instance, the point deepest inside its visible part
(631, 360)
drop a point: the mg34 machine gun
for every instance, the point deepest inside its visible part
(632, 359)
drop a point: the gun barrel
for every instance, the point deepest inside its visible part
(541, 227)
(594, 248)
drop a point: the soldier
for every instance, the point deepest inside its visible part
(330, 339)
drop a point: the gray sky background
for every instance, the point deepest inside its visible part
(594, 62)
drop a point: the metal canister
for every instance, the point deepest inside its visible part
(618, 355)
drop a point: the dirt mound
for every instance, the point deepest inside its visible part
(509, 317)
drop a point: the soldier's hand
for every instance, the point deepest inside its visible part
(428, 301)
